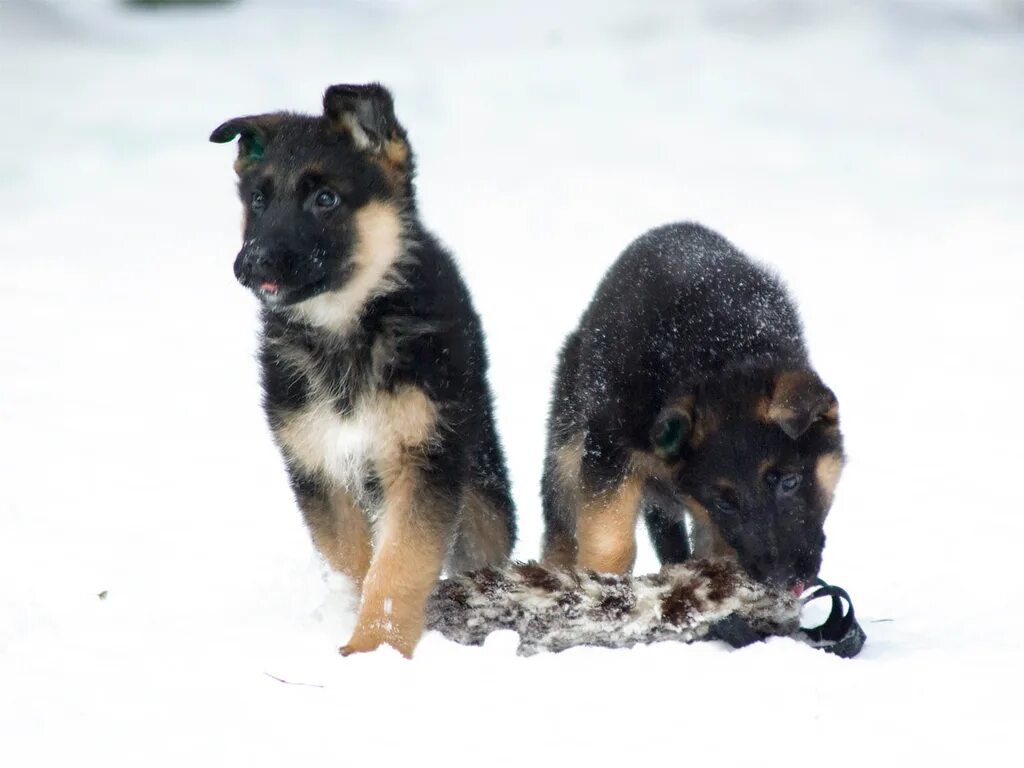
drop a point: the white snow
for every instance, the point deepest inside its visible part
(871, 151)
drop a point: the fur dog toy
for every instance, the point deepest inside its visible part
(552, 610)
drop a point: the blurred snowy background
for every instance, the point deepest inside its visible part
(871, 150)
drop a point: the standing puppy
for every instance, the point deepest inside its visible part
(373, 361)
(687, 385)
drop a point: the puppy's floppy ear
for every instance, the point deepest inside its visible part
(366, 112)
(798, 399)
(672, 429)
(255, 131)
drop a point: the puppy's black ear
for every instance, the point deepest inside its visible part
(366, 112)
(671, 431)
(229, 129)
(255, 131)
(798, 399)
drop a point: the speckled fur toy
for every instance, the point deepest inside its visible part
(552, 610)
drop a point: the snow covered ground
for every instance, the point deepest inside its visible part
(872, 151)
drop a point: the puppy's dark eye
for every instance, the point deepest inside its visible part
(789, 483)
(325, 199)
(256, 201)
(724, 505)
(772, 477)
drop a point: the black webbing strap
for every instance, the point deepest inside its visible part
(840, 633)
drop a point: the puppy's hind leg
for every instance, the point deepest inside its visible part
(611, 491)
(484, 537)
(559, 495)
(487, 523)
(560, 491)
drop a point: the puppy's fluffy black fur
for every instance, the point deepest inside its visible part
(688, 386)
(373, 358)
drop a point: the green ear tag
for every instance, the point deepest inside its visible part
(253, 148)
(669, 441)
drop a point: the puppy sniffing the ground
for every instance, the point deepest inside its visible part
(687, 386)
(373, 361)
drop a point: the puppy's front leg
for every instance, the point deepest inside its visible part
(606, 528)
(417, 526)
(609, 503)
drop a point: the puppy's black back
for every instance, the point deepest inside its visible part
(680, 304)
(688, 382)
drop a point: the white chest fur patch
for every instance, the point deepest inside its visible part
(325, 442)
(341, 447)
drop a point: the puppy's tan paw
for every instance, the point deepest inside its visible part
(367, 642)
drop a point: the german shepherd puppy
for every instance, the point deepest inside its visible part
(373, 362)
(687, 386)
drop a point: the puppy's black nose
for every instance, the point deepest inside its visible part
(772, 572)
(254, 265)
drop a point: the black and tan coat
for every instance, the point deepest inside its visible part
(687, 388)
(373, 359)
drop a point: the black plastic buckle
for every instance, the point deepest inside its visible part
(840, 633)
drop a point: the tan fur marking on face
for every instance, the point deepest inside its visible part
(345, 541)
(482, 537)
(707, 541)
(606, 528)
(404, 570)
(827, 471)
(378, 250)
(308, 170)
(764, 467)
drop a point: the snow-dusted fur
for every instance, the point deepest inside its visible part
(555, 609)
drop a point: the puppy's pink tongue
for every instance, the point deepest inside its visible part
(269, 287)
(797, 590)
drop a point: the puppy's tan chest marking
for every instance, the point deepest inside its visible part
(378, 429)
(378, 252)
